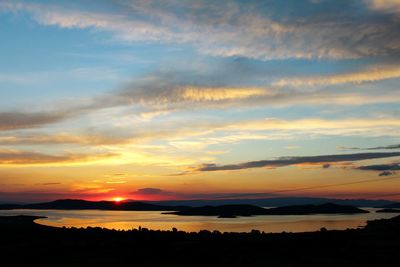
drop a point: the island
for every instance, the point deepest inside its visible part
(233, 211)
(388, 211)
(392, 206)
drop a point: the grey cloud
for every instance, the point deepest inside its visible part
(397, 146)
(381, 167)
(385, 147)
(287, 161)
(386, 173)
(384, 169)
(25, 120)
(326, 166)
(151, 191)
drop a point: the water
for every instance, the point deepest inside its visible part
(125, 220)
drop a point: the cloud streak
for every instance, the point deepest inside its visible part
(26, 120)
(371, 74)
(16, 157)
(288, 161)
(381, 167)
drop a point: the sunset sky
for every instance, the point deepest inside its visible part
(178, 99)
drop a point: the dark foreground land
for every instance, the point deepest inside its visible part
(24, 243)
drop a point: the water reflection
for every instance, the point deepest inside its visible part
(125, 220)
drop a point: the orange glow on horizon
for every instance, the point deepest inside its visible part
(118, 199)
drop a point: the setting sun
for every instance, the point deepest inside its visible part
(118, 199)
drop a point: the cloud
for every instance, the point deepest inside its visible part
(16, 157)
(326, 166)
(195, 135)
(381, 167)
(387, 6)
(25, 120)
(49, 184)
(397, 146)
(247, 29)
(370, 74)
(40, 138)
(386, 173)
(151, 191)
(287, 161)
(384, 169)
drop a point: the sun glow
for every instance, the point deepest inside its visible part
(118, 199)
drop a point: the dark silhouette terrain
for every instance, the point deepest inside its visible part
(225, 211)
(392, 206)
(24, 243)
(165, 205)
(389, 211)
(276, 202)
(231, 211)
(78, 204)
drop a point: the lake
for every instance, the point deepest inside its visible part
(125, 220)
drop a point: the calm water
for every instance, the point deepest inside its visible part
(155, 220)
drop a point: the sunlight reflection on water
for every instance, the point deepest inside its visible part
(124, 220)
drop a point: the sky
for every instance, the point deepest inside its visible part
(179, 99)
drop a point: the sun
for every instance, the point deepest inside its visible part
(118, 199)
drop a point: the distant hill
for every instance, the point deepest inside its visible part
(276, 202)
(231, 211)
(327, 208)
(76, 204)
(395, 205)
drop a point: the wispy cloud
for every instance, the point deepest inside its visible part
(234, 29)
(371, 74)
(388, 147)
(17, 157)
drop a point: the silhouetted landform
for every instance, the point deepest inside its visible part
(275, 202)
(73, 204)
(392, 206)
(389, 211)
(24, 243)
(225, 211)
(232, 211)
(76, 204)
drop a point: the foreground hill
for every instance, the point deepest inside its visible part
(249, 210)
(24, 243)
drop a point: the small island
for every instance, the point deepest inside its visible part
(388, 211)
(233, 211)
